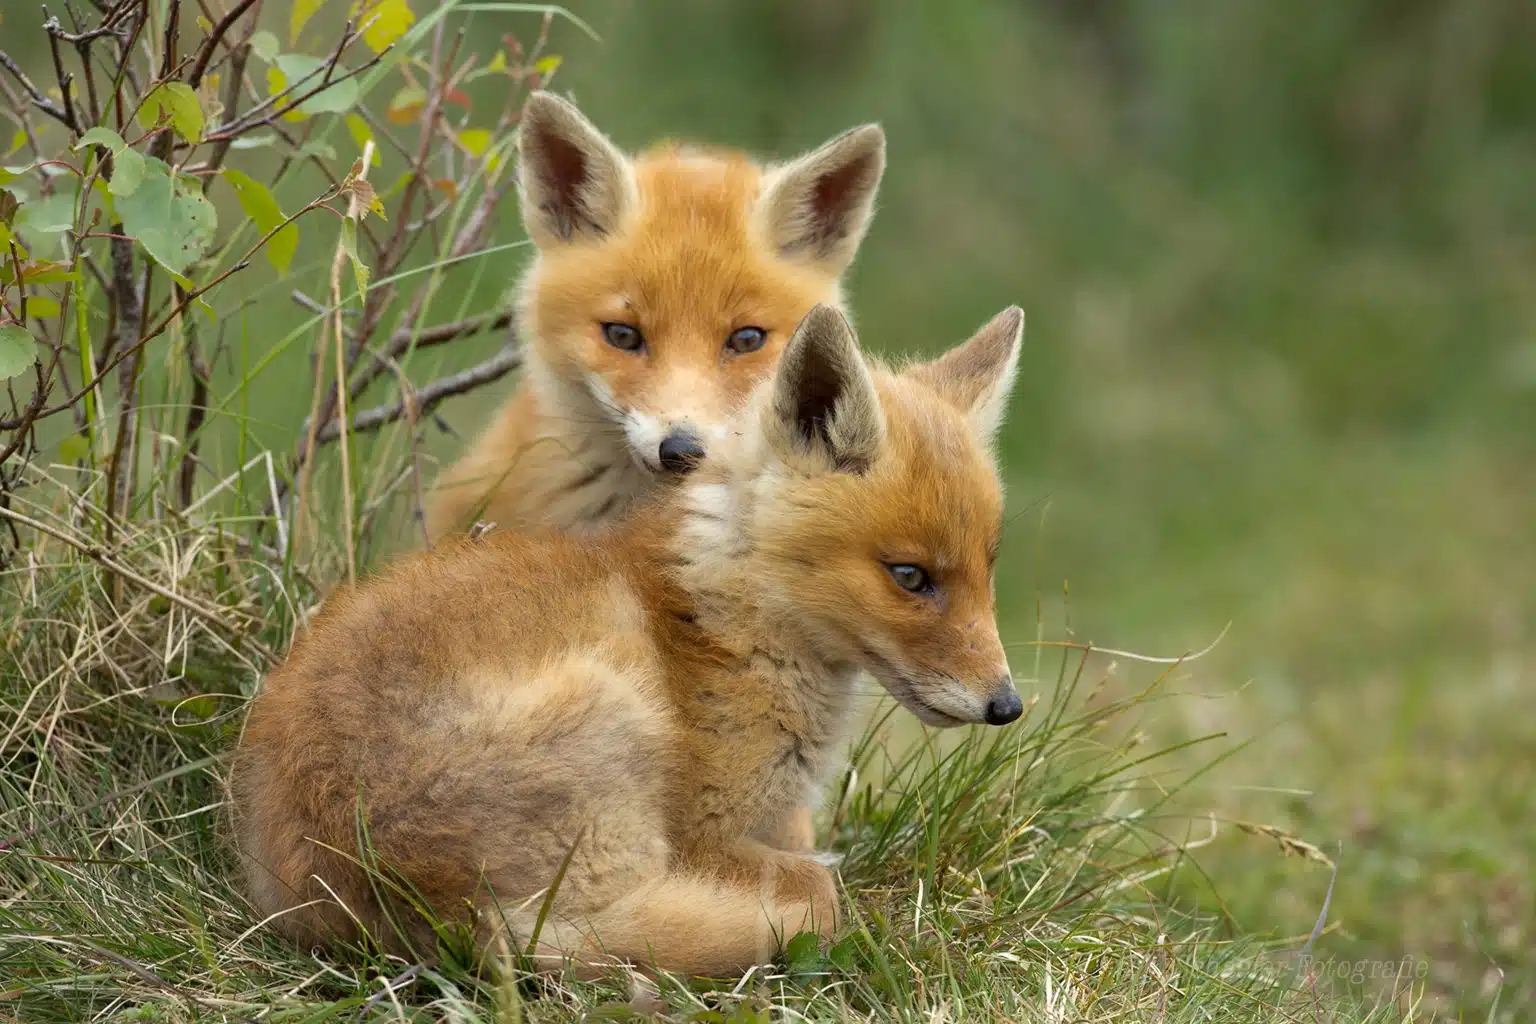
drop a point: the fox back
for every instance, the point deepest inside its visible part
(662, 289)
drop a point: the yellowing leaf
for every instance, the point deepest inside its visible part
(548, 66)
(204, 24)
(302, 11)
(498, 62)
(177, 103)
(385, 21)
(259, 205)
(17, 141)
(362, 135)
(406, 104)
(367, 200)
(276, 83)
(475, 140)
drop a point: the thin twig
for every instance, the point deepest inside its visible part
(493, 369)
(195, 77)
(40, 101)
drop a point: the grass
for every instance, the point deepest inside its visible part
(1021, 874)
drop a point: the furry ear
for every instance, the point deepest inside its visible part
(977, 376)
(824, 400)
(818, 206)
(571, 179)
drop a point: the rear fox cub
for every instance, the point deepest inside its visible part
(662, 289)
(642, 706)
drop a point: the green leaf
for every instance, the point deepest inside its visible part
(10, 174)
(74, 448)
(17, 141)
(48, 215)
(336, 98)
(99, 136)
(386, 21)
(46, 272)
(265, 45)
(127, 172)
(259, 205)
(252, 141)
(177, 102)
(302, 11)
(349, 243)
(42, 306)
(803, 952)
(17, 351)
(314, 147)
(172, 223)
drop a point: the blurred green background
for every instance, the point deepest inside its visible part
(1279, 263)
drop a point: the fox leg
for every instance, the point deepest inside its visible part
(679, 923)
(796, 833)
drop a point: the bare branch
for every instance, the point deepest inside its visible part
(195, 77)
(40, 101)
(424, 400)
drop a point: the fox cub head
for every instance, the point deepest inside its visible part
(862, 510)
(665, 286)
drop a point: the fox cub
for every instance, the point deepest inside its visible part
(661, 290)
(637, 708)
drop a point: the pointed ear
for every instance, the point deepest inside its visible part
(824, 401)
(817, 207)
(977, 376)
(571, 179)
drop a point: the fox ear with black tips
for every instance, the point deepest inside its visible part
(977, 376)
(817, 207)
(572, 181)
(825, 413)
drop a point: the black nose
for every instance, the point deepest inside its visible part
(681, 451)
(1005, 706)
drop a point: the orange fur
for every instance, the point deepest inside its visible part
(639, 705)
(684, 245)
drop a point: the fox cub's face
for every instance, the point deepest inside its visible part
(666, 286)
(867, 508)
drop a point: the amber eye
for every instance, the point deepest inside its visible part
(914, 579)
(623, 337)
(746, 339)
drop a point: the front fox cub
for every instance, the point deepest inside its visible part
(662, 289)
(638, 708)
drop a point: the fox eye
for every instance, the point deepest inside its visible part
(746, 339)
(623, 337)
(914, 579)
